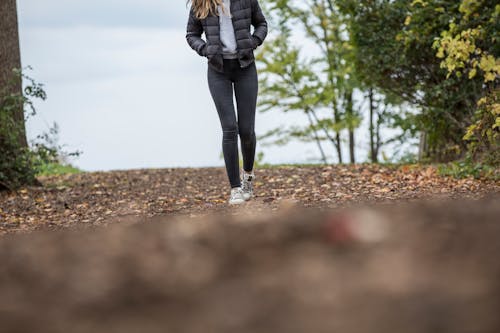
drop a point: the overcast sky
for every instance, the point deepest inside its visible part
(125, 87)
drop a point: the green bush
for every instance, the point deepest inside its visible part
(19, 165)
(56, 169)
(468, 168)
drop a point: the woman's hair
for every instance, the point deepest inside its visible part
(203, 8)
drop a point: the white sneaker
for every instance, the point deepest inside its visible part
(247, 185)
(236, 196)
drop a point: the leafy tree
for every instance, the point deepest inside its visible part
(288, 83)
(331, 84)
(13, 143)
(19, 163)
(471, 47)
(396, 53)
(393, 42)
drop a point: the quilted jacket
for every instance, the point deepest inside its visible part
(245, 13)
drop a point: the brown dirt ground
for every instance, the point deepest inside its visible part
(429, 266)
(98, 198)
(319, 249)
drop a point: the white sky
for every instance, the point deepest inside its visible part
(127, 90)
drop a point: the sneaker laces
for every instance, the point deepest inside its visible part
(247, 180)
(236, 191)
(248, 175)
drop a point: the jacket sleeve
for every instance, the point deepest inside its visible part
(194, 30)
(259, 23)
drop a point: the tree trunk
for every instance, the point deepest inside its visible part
(339, 148)
(373, 150)
(332, 69)
(350, 116)
(422, 147)
(351, 146)
(10, 58)
(338, 145)
(378, 139)
(317, 140)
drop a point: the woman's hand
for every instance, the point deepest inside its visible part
(256, 42)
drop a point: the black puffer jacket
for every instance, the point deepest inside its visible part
(245, 13)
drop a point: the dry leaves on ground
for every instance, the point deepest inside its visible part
(95, 198)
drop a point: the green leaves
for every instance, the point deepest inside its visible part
(435, 55)
(438, 57)
(315, 86)
(19, 165)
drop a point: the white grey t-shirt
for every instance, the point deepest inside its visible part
(227, 36)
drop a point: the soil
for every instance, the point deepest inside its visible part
(422, 267)
(319, 249)
(96, 198)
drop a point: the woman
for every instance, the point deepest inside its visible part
(229, 50)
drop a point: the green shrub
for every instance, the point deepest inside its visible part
(19, 165)
(56, 169)
(467, 168)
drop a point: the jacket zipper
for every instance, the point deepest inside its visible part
(231, 5)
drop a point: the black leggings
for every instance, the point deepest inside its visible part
(245, 89)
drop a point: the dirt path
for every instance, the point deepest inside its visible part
(419, 268)
(93, 199)
(320, 249)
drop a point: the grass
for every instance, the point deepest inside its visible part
(465, 169)
(50, 169)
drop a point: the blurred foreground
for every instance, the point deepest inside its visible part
(428, 266)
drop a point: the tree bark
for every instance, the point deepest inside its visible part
(422, 147)
(10, 58)
(378, 139)
(338, 146)
(316, 138)
(373, 150)
(331, 75)
(350, 115)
